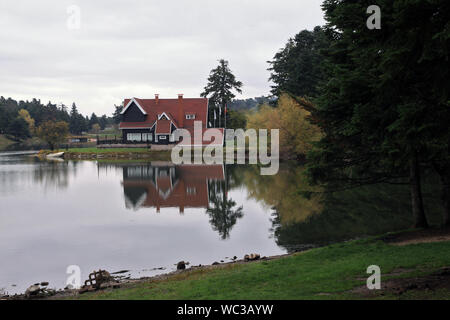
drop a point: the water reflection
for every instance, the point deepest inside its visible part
(104, 215)
(223, 211)
(304, 216)
(19, 169)
(168, 185)
(165, 185)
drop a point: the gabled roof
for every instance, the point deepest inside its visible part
(135, 125)
(130, 102)
(163, 127)
(152, 108)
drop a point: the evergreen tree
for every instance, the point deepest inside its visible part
(19, 128)
(78, 123)
(103, 121)
(383, 106)
(221, 83)
(117, 116)
(92, 121)
(74, 122)
(296, 68)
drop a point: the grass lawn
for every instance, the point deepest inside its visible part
(107, 150)
(324, 273)
(4, 142)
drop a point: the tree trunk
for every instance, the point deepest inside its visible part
(444, 174)
(420, 220)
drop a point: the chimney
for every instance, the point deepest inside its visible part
(180, 111)
(156, 98)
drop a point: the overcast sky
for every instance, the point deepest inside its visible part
(138, 48)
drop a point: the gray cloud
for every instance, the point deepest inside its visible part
(138, 48)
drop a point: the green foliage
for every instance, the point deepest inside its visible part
(236, 119)
(19, 128)
(250, 103)
(221, 83)
(103, 121)
(53, 132)
(297, 68)
(92, 121)
(109, 150)
(78, 123)
(35, 113)
(222, 210)
(117, 114)
(385, 106)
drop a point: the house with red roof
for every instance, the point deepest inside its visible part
(165, 185)
(154, 121)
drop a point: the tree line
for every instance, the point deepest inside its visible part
(380, 97)
(20, 119)
(360, 105)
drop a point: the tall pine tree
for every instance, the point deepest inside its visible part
(297, 68)
(221, 83)
(382, 109)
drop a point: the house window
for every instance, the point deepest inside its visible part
(172, 138)
(190, 116)
(191, 190)
(147, 137)
(134, 137)
(162, 137)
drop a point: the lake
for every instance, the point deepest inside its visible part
(144, 217)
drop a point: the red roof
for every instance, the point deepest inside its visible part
(135, 125)
(166, 194)
(163, 126)
(175, 109)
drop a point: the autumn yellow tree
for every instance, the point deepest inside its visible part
(95, 128)
(25, 115)
(288, 192)
(263, 118)
(296, 132)
(53, 132)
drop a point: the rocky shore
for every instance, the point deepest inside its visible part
(102, 279)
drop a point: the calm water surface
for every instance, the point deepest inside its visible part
(141, 216)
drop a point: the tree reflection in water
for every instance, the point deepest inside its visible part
(165, 185)
(304, 216)
(222, 212)
(50, 174)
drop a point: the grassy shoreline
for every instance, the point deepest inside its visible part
(337, 271)
(111, 154)
(118, 153)
(5, 142)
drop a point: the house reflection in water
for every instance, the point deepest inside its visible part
(162, 185)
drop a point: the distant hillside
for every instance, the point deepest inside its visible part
(247, 104)
(4, 142)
